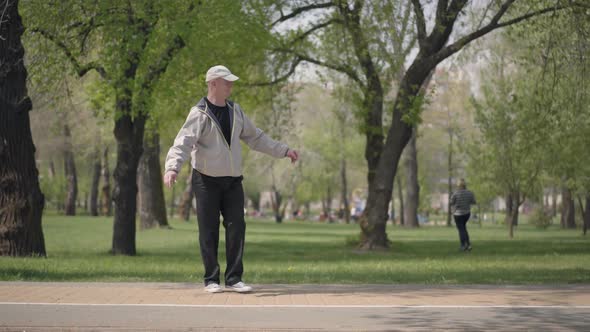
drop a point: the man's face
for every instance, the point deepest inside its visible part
(224, 88)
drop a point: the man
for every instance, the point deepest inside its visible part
(461, 202)
(211, 135)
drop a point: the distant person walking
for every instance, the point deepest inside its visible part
(211, 135)
(461, 202)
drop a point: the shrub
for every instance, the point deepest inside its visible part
(541, 217)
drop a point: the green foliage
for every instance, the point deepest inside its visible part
(329, 137)
(509, 152)
(54, 190)
(413, 115)
(541, 218)
(534, 108)
(135, 43)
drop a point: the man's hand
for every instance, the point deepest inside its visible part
(293, 155)
(170, 178)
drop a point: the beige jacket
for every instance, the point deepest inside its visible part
(202, 138)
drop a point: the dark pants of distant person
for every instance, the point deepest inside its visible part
(461, 222)
(225, 196)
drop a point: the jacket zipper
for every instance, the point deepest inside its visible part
(233, 125)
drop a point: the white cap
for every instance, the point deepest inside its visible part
(220, 72)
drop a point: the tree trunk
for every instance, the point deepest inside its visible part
(21, 200)
(327, 204)
(51, 170)
(412, 186)
(276, 200)
(59, 199)
(105, 191)
(94, 185)
(545, 200)
(509, 207)
(129, 135)
(513, 218)
(186, 202)
(450, 178)
(568, 209)
(586, 214)
(373, 235)
(553, 201)
(172, 203)
(85, 204)
(255, 198)
(344, 203)
(401, 201)
(152, 206)
(392, 210)
(70, 174)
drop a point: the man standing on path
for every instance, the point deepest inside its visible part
(461, 202)
(211, 135)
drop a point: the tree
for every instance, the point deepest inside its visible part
(412, 183)
(282, 186)
(412, 187)
(447, 117)
(351, 25)
(118, 64)
(564, 48)
(512, 122)
(555, 52)
(131, 47)
(22, 202)
(152, 210)
(96, 168)
(70, 173)
(105, 191)
(187, 198)
(383, 151)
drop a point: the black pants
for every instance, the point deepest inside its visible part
(223, 195)
(461, 222)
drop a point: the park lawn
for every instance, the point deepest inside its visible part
(304, 252)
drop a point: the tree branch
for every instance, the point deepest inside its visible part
(2, 16)
(420, 22)
(441, 12)
(315, 28)
(282, 78)
(340, 68)
(160, 66)
(301, 10)
(580, 4)
(337, 67)
(445, 24)
(462, 42)
(485, 14)
(81, 69)
(404, 23)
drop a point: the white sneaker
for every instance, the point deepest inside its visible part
(239, 287)
(213, 288)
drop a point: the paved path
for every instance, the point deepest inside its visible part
(185, 307)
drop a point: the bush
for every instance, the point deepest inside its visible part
(541, 217)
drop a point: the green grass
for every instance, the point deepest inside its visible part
(298, 252)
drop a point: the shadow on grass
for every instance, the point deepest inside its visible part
(490, 275)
